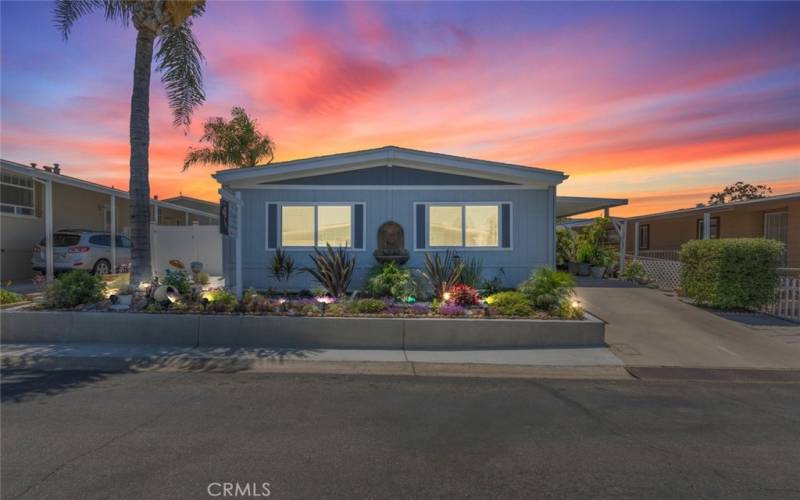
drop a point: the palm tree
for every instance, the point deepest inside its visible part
(236, 143)
(166, 26)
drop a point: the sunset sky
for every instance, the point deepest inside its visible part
(659, 103)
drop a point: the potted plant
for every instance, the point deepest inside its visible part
(598, 262)
(583, 256)
(565, 249)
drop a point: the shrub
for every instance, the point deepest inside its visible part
(8, 297)
(179, 280)
(74, 288)
(548, 289)
(634, 271)
(510, 304)
(202, 278)
(333, 269)
(731, 273)
(567, 310)
(390, 280)
(367, 306)
(464, 295)
(471, 272)
(442, 273)
(447, 309)
(335, 309)
(282, 266)
(591, 242)
(221, 300)
(565, 246)
(495, 284)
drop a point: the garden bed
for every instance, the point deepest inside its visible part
(243, 330)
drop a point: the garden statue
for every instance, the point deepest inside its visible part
(391, 244)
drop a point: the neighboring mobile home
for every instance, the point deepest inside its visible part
(76, 204)
(501, 213)
(661, 235)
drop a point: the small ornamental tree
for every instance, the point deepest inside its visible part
(731, 273)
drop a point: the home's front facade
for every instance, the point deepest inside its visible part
(500, 213)
(661, 235)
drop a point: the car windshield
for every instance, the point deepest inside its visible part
(63, 240)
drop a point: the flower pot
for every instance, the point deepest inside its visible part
(598, 271)
(572, 267)
(584, 268)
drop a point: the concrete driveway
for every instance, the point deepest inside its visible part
(649, 327)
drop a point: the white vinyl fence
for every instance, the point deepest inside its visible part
(187, 244)
(787, 304)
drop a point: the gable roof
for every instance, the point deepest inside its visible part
(44, 175)
(196, 203)
(723, 207)
(391, 156)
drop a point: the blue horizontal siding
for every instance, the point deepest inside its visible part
(531, 223)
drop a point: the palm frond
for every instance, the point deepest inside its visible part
(207, 156)
(67, 12)
(179, 60)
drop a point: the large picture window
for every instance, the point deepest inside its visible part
(16, 194)
(472, 226)
(316, 225)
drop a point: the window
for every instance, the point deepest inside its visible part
(713, 233)
(101, 240)
(16, 194)
(316, 225)
(63, 240)
(123, 242)
(644, 236)
(464, 226)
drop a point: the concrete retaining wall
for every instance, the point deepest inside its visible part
(189, 330)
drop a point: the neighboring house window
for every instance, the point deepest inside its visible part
(644, 236)
(776, 227)
(17, 194)
(463, 226)
(713, 234)
(316, 225)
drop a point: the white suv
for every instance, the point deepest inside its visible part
(83, 249)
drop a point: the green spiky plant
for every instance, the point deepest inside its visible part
(471, 272)
(333, 269)
(442, 273)
(282, 267)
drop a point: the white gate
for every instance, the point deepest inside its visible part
(187, 244)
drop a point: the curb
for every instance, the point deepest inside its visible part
(277, 365)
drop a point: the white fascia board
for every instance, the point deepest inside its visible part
(529, 176)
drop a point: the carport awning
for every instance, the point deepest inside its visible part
(574, 205)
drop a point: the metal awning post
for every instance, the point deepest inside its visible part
(622, 230)
(636, 238)
(48, 228)
(113, 233)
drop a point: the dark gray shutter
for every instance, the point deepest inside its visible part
(272, 225)
(505, 225)
(421, 228)
(358, 226)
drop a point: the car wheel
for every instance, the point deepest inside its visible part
(102, 266)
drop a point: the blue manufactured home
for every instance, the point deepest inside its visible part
(501, 213)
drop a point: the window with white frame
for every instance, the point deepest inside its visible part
(456, 225)
(17, 194)
(316, 225)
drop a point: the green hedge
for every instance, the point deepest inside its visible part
(731, 273)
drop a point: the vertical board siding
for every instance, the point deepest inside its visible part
(529, 225)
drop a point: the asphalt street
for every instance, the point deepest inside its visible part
(184, 435)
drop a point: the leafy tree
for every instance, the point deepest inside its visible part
(166, 27)
(739, 192)
(236, 143)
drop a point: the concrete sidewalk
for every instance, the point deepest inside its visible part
(593, 363)
(647, 327)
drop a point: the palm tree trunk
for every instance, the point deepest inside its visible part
(140, 162)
